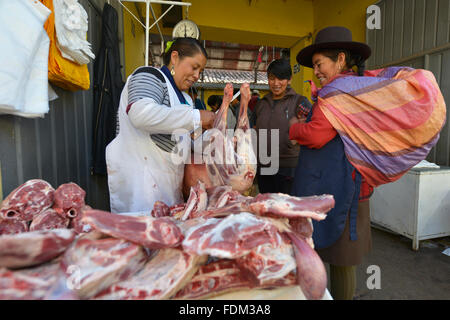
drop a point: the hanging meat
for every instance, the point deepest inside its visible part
(229, 160)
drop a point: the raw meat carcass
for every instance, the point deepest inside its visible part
(197, 202)
(193, 174)
(77, 223)
(12, 226)
(28, 284)
(266, 262)
(176, 208)
(32, 248)
(224, 276)
(231, 161)
(228, 160)
(231, 237)
(303, 227)
(49, 219)
(213, 279)
(27, 200)
(311, 273)
(69, 199)
(96, 264)
(152, 233)
(160, 209)
(160, 278)
(283, 205)
(267, 204)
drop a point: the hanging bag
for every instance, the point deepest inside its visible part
(61, 71)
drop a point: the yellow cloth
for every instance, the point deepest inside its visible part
(63, 72)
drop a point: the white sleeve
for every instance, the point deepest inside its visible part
(146, 114)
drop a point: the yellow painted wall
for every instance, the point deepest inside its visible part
(298, 78)
(258, 22)
(347, 13)
(281, 23)
(134, 43)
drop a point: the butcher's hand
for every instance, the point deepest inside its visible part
(207, 119)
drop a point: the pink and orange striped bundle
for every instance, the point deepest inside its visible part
(389, 119)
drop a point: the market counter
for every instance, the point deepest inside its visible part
(285, 293)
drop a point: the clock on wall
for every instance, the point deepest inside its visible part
(186, 28)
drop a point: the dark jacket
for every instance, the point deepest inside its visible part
(327, 171)
(108, 86)
(270, 116)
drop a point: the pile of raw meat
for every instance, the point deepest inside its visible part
(53, 246)
(218, 241)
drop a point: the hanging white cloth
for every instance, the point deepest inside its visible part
(24, 58)
(71, 23)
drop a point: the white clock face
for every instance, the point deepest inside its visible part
(186, 28)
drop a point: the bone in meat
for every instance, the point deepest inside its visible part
(101, 263)
(28, 284)
(266, 262)
(34, 247)
(49, 219)
(69, 199)
(27, 200)
(152, 233)
(311, 273)
(231, 237)
(231, 160)
(160, 278)
(12, 226)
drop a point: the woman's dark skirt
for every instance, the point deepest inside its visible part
(345, 252)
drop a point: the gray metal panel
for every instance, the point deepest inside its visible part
(443, 30)
(431, 13)
(434, 65)
(57, 148)
(408, 23)
(379, 36)
(418, 26)
(398, 29)
(443, 145)
(388, 31)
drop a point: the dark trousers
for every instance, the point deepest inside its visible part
(275, 183)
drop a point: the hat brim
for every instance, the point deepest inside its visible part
(304, 57)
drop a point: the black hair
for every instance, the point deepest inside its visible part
(213, 100)
(280, 68)
(186, 47)
(351, 59)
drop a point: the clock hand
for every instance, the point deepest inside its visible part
(185, 31)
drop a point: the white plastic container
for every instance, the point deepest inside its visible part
(416, 206)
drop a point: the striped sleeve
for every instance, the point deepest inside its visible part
(147, 85)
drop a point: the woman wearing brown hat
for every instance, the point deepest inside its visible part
(357, 136)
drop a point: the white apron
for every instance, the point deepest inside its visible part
(139, 172)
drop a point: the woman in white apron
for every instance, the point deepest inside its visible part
(153, 105)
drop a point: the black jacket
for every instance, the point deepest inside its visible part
(108, 85)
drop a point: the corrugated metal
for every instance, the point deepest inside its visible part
(57, 148)
(416, 33)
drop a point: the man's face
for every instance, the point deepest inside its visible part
(277, 86)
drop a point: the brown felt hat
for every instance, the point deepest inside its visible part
(332, 38)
